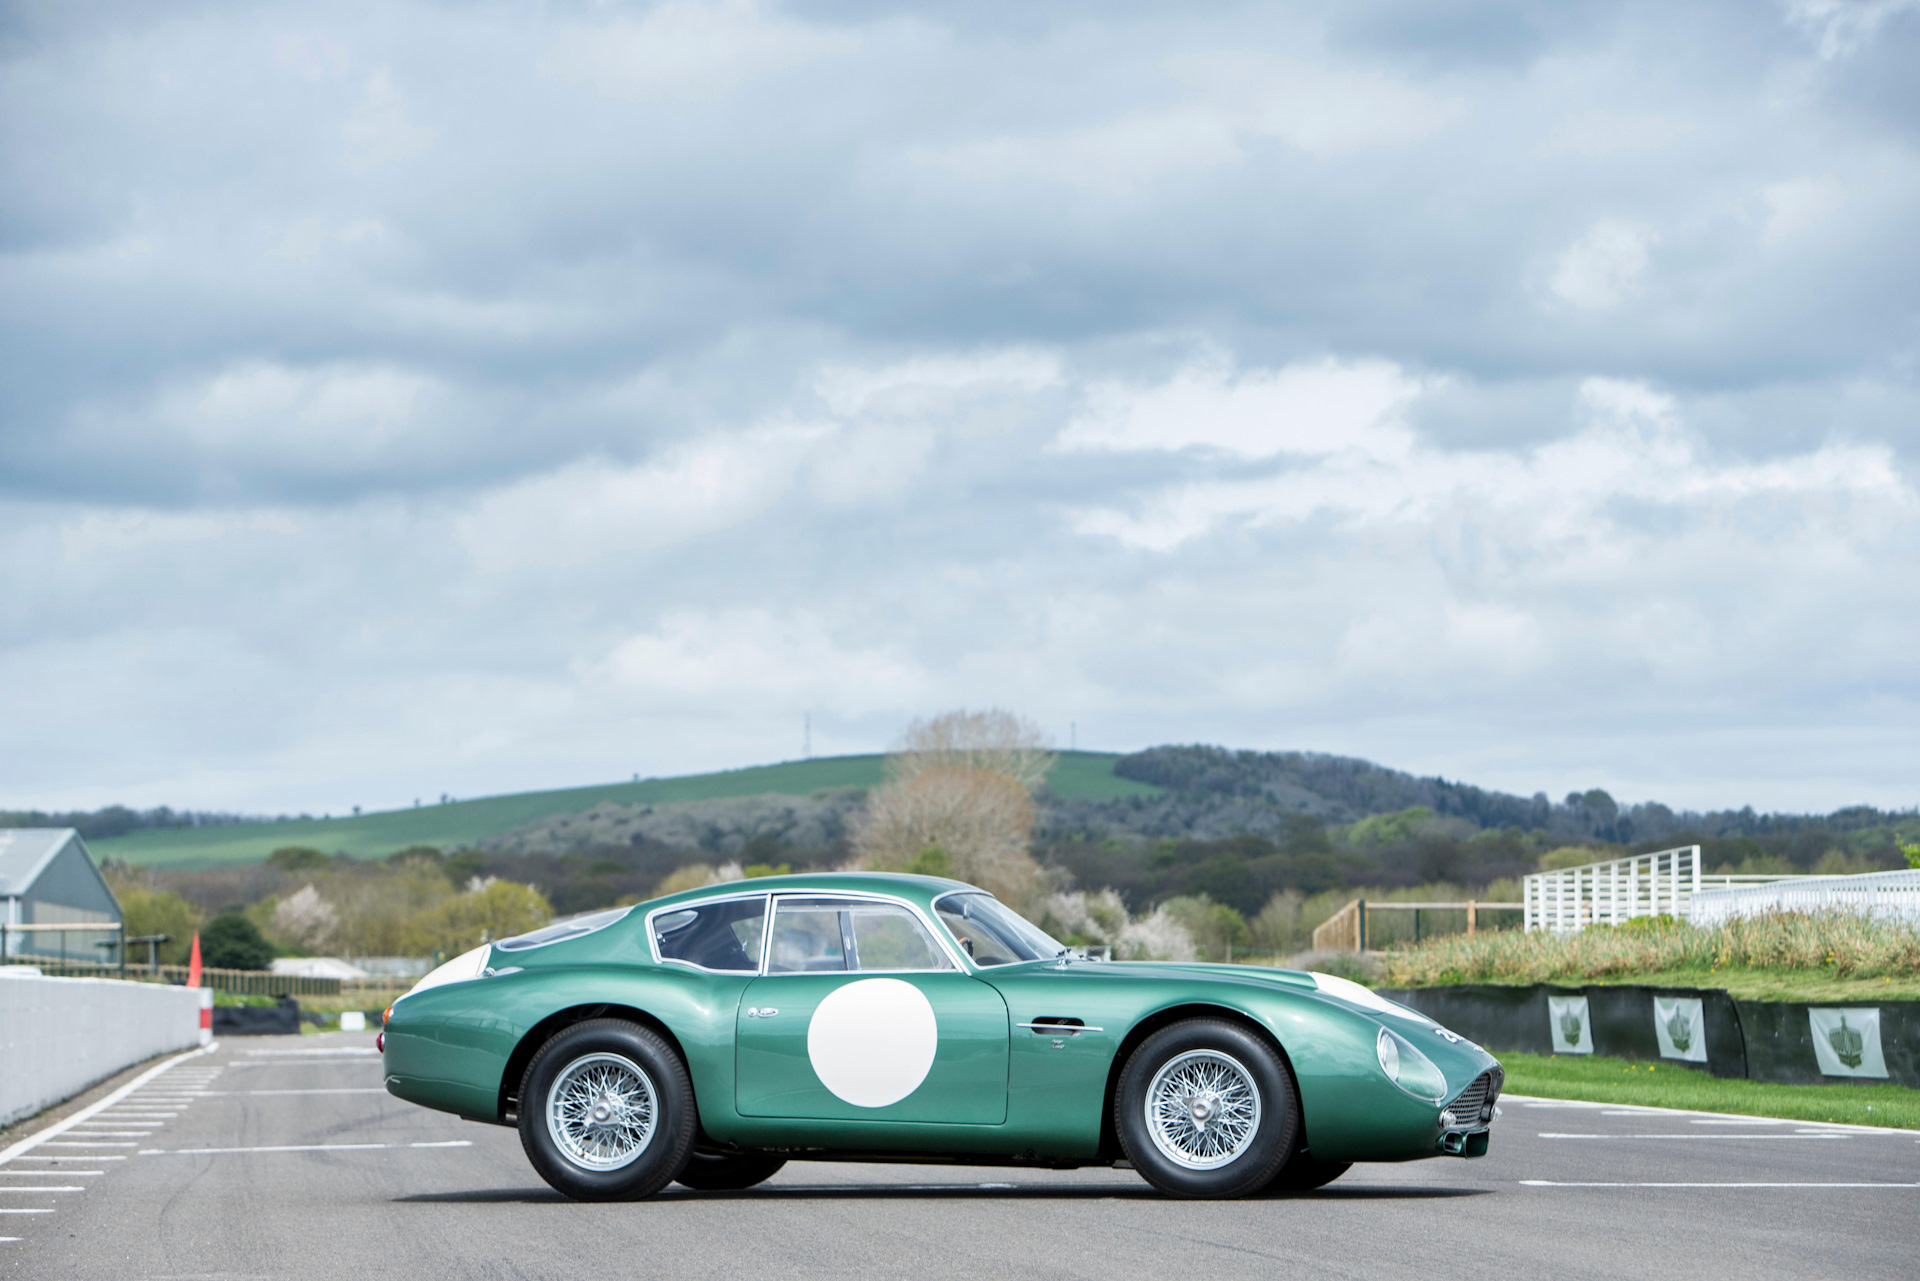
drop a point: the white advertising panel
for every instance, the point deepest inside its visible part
(1572, 1029)
(1680, 1025)
(1847, 1042)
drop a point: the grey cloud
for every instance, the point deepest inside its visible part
(373, 381)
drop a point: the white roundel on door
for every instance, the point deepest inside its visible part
(872, 1041)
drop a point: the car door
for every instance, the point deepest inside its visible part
(861, 1015)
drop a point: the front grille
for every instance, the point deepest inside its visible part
(1473, 1106)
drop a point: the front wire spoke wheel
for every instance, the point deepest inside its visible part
(600, 1112)
(1202, 1109)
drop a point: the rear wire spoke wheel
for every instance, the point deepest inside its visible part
(1206, 1108)
(607, 1112)
(600, 1112)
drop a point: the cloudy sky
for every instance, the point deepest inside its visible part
(399, 399)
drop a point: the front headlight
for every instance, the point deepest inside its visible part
(1409, 1069)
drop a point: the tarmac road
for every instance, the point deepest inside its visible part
(283, 1157)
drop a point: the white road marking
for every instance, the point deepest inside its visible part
(8, 1209)
(1708, 1138)
(355, 1090)
(120, 1134)
(1533, 1101)
(1552, 1183)
(50, 1174)
(305, 1147)
(63, 1143)
(316, 1052)
(1714, 1120)
(100, 1156)
(94, 1109)
(39, 1188)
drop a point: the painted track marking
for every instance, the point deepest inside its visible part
(306, 1147)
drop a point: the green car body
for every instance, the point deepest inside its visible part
(998, 1091)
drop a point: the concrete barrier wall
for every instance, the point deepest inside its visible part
(58, 1036)
(1759, 1040)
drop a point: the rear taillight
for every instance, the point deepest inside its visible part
(387, 1017)
(380, 1043)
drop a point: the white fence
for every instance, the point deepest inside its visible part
(1873, 893)
(58, 1036)
(1608, 893)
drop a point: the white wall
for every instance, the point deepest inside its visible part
(58, 1036)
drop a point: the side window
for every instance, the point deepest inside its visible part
(716, 936)
(807, 936)
(886, 937)
(850, 934)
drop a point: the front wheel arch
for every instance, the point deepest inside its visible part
(1110, 1149)
(554, 1024)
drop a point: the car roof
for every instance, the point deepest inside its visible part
(920, 890)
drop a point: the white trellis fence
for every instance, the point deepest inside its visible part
(1608, 893)
(1872, 893)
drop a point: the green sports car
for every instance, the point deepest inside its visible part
(711, 1036)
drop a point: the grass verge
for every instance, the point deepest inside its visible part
(1664, 1085)
(1820, 946)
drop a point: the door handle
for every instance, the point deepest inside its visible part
(761, 1011)
(1049, 1028)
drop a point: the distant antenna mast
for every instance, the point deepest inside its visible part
(806, 736)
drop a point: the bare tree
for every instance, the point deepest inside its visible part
(994, 742)
(959, 792)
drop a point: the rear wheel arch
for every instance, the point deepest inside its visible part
(1110, 1149)
(560, 1020)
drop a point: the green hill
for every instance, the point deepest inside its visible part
(1078, 775)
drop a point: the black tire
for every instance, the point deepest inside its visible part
(1214, 1045)
(729, 1171)
(612, 1051)
(1305, 1172)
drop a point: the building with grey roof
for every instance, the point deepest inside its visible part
(48, 878)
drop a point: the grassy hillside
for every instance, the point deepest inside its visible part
(1079, 775)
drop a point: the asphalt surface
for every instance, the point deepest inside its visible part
(283, 1157)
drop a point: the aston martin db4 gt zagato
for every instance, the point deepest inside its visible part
(711, 1036)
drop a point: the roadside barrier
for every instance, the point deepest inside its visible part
(243, 982)
(1789, 1042)
(60, 1035)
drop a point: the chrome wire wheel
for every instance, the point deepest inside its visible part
(601, 1111)
(1202, 1109)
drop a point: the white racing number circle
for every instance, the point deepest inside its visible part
(872, 1042)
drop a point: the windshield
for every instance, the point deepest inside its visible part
(993, 934)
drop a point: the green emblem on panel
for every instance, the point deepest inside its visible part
(1570, 1028)
(1848, 1045)
(1680, 1031)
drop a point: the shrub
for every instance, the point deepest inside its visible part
(232, 942)
(495, 910)
(148, 912)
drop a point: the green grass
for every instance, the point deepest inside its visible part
(1603, 1080)
(1078, 775)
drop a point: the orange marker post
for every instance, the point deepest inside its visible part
(206, 993)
